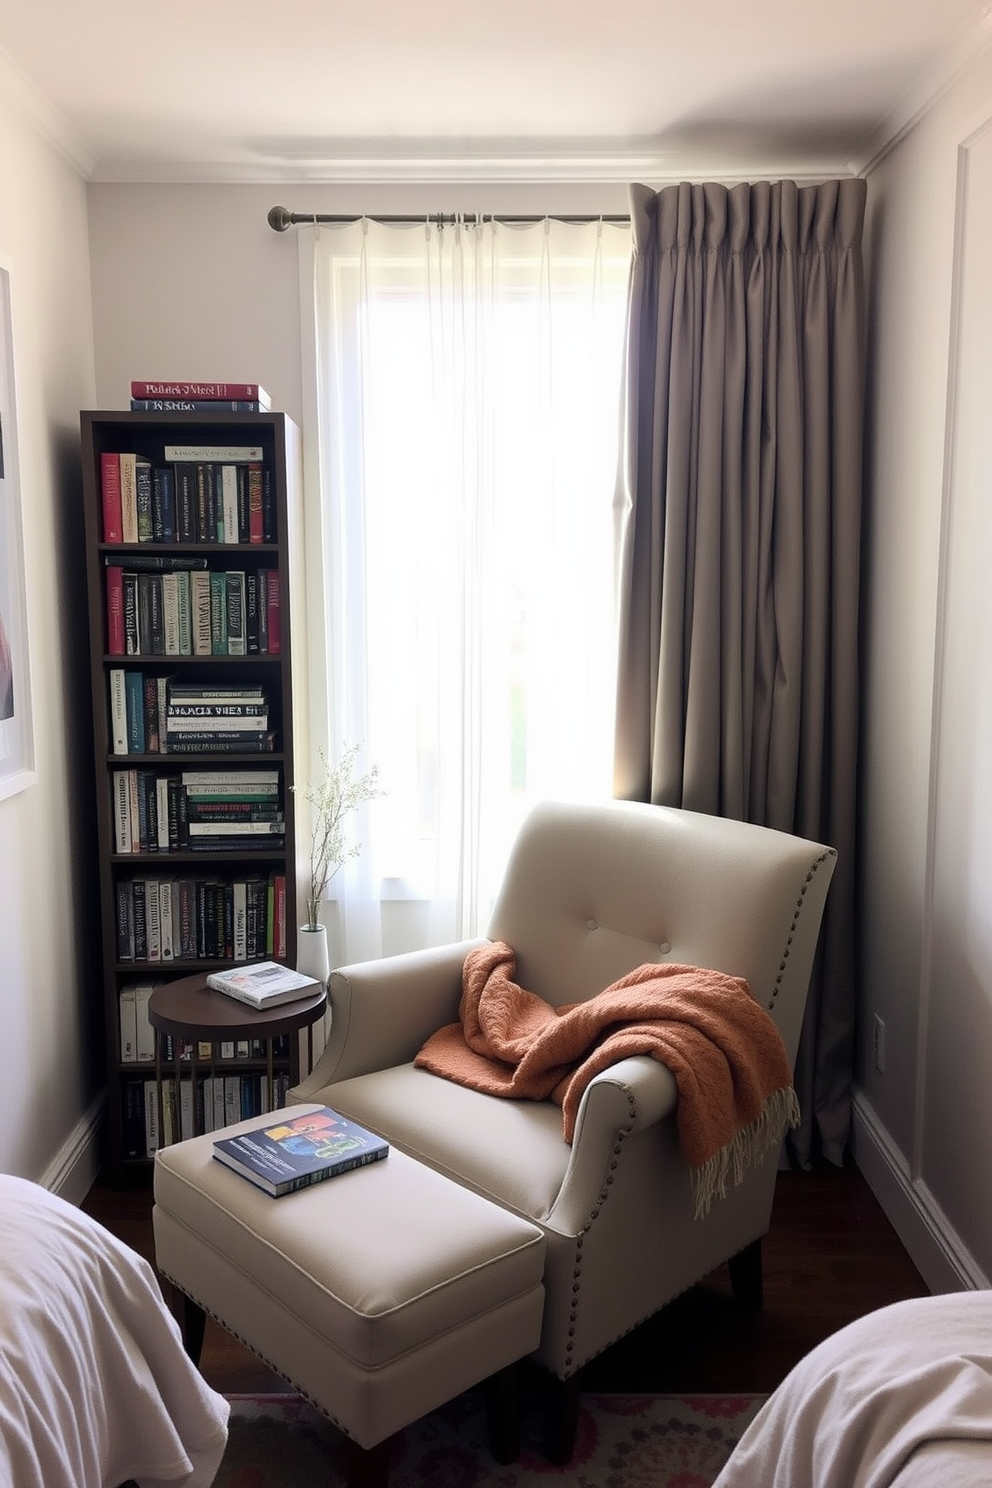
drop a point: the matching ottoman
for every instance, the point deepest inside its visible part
(379, 1294)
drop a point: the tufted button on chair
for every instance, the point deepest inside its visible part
(590, 893)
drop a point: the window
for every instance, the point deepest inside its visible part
(468, 390)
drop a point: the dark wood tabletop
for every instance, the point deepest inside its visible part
(188, 1008)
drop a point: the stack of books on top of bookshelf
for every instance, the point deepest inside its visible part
(199, 397)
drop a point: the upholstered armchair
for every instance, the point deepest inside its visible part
(590, 893)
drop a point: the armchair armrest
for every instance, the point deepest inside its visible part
(629, 1096)
(383, 1011)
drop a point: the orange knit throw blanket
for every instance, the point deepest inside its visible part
(735, 1095)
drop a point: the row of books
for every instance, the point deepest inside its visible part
(199, 494)
(214, 1103)
(156, 812)
(154, 713)
(193, 611)
(138, 1036)
(189, 918)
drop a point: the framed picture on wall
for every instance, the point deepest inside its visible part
(16, 732)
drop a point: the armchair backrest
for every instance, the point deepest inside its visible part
(592, 891)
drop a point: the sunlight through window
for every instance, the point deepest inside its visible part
(470, 427)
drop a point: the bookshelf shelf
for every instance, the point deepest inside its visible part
(172, 913)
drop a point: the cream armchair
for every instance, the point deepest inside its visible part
(590, 893)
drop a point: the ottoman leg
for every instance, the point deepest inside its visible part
(367, 1467)
(502, 1415)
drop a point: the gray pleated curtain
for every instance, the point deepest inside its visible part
(740, 512)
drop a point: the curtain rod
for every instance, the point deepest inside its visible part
(280, 218)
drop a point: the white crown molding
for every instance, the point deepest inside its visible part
(36, 108)
(970, 43)
(581, 167)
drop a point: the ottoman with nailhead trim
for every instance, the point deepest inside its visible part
(379, 1294)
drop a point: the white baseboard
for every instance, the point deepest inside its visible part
(72, 1172)
(935, 1247)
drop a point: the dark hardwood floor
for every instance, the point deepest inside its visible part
(830, 1256)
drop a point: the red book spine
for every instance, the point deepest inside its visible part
(210, 390)
(152, 741)
(110, 480)
(115, 611)
(273, 611)
(255, 513)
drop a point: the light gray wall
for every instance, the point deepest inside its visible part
(926, 890)
(190, 282)
(51, 1051)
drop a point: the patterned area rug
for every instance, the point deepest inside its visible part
(624, 1441)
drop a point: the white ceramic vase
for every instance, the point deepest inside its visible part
(312, 957)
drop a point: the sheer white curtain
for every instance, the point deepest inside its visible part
(467, 380)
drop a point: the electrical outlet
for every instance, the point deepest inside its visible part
(879, 1044)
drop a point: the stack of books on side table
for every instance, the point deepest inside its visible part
(267, 984)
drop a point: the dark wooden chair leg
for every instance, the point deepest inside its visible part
(561, 1419)
(193, 1325)
(503, 1415)
(746, 1279)
(367, 1467)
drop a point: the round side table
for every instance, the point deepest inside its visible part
(189, 1010)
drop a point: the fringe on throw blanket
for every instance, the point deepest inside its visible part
(748, 1148)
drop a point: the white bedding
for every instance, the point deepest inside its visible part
(901, 1398)
(95, 1388)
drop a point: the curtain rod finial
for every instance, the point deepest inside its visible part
(280, 218)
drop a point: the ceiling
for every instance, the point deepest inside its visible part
(236, 90)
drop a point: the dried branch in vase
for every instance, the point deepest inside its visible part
(332, 800)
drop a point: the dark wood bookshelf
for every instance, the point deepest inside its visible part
(146, 435)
